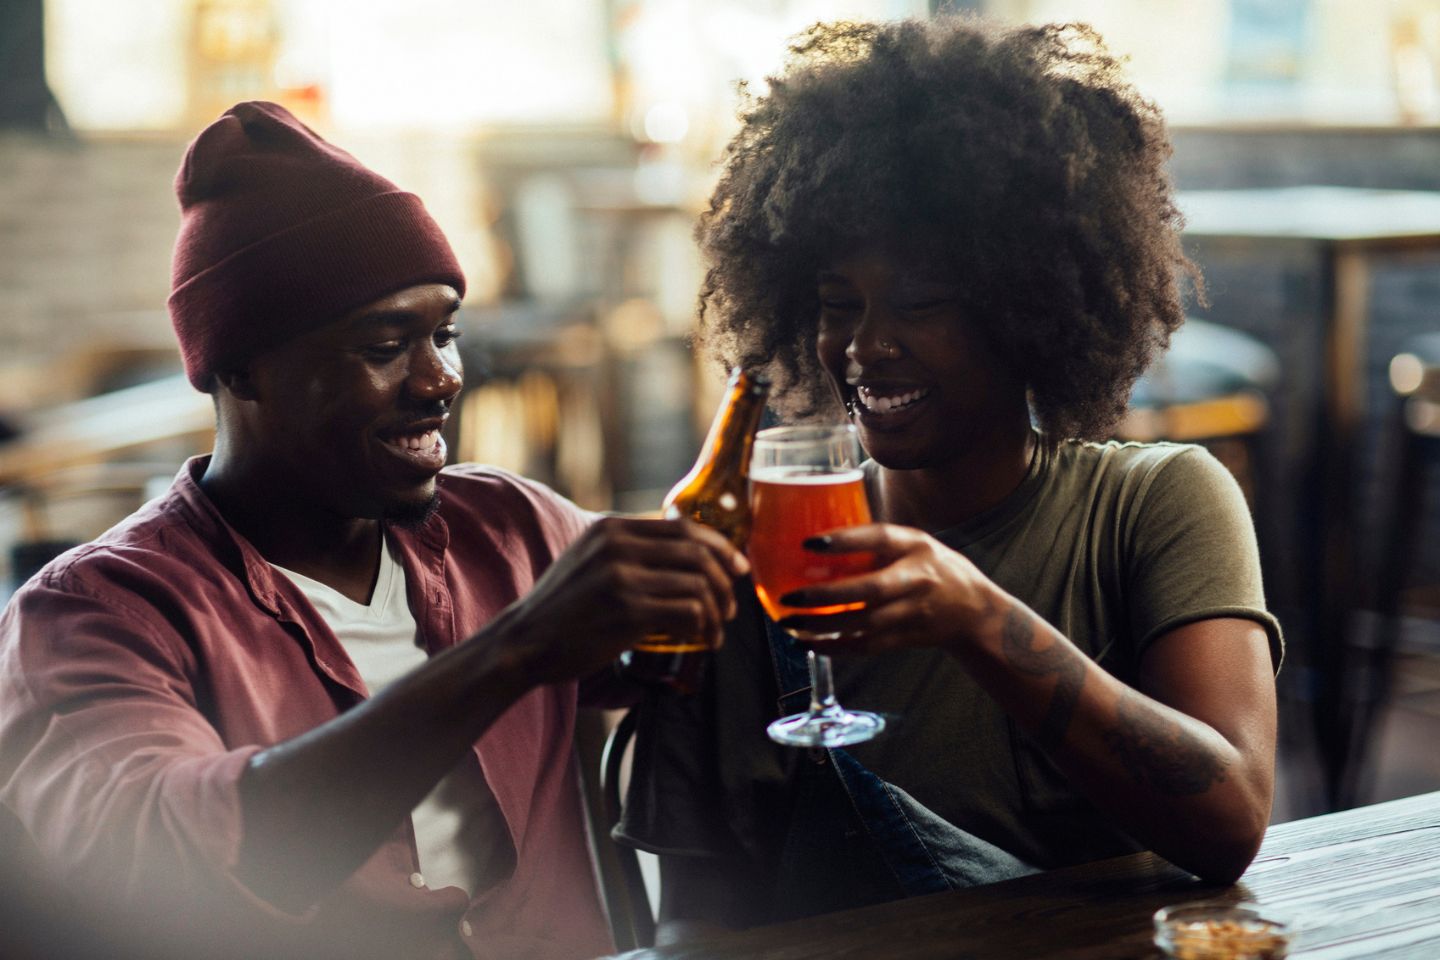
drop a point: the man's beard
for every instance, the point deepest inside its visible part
(414, 514)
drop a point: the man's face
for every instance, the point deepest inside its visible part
(350, 414)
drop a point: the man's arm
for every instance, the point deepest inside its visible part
(315, 807)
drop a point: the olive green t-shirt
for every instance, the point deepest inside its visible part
(1114, 544)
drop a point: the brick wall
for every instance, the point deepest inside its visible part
(85, 235)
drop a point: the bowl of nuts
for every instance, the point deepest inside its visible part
(1220, 930)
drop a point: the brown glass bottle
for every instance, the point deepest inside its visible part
(714, 493)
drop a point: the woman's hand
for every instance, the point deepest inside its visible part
(1184, 759)
(921, 593)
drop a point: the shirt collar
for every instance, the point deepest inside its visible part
(259, 576)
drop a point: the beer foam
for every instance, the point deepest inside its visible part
(806, 476)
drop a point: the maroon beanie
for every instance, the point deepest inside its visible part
(281, 233)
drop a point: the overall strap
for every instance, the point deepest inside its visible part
(923, 852)
(893, 836)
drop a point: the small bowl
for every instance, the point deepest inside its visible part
(1217, 930)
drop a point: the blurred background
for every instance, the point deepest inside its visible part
(566, 147)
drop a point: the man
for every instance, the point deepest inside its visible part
(318, 699)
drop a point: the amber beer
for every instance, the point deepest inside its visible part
(714, 493)
(791, 504)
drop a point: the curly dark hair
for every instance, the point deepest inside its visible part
(1016, 161)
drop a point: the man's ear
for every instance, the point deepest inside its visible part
(237, 383)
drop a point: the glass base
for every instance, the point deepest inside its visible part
(833, 726)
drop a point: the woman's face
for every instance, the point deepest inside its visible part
(921, 383)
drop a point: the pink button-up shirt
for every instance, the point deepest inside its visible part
(140, 672)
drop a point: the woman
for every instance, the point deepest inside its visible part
(964, 238)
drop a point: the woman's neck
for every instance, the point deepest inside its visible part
(943, 496)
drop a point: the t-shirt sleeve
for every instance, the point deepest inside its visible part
(1193, 554)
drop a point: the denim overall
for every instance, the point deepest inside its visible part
(855, 839)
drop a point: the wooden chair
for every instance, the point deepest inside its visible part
(1415, 432)
(622, 886)
(1211, 387)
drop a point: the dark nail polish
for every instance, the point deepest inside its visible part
(817, 544)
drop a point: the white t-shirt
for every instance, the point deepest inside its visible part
(460, 832)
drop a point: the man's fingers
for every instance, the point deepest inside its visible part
(663, 584)
(692, 567)
(679, 617)
(680, 530)
(736, 562)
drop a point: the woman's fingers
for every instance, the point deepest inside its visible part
(920, 595)
(886, 540)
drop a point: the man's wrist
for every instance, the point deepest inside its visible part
(510, 658)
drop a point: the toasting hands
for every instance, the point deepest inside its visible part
(626, 577)
(920, 594)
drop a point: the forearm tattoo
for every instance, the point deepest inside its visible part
(1157, 751)
(1018, 643)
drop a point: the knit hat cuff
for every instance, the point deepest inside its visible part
(306, 276)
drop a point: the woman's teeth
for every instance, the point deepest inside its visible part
(877, 403)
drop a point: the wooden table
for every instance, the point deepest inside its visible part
(1344, 231)
(1362, 883)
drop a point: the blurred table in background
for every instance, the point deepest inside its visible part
(1345, 232)
(101, 428)
(108, 449)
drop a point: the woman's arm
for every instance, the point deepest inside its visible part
(1184, 760)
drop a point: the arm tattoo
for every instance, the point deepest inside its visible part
(1017, 639)
(1156, 750)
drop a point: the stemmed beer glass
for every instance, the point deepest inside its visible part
(805, 480)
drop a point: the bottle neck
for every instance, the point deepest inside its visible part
(732, 435)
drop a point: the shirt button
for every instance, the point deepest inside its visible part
(417, 880)
(466, 929)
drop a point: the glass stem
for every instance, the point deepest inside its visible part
(822, 685)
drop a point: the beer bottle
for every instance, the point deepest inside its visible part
(714, 493)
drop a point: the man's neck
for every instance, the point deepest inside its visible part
(340, 552)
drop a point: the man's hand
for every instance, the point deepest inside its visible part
(623, 579)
